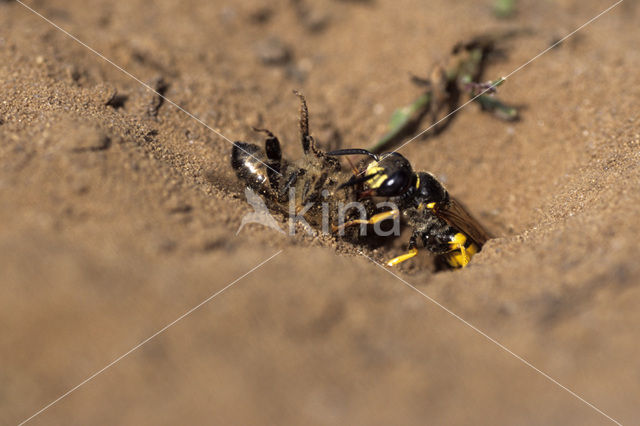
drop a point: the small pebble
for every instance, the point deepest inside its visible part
(103, 93)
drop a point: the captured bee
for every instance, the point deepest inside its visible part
(306, 189)
(438, 221)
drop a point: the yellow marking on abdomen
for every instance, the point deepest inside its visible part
(460, 256)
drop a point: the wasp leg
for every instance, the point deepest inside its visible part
(372, 220)
(412, 251)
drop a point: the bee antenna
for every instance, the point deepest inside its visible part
(354, 151)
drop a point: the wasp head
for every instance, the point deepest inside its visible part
(388, 175)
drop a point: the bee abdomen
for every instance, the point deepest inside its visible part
(249, 162)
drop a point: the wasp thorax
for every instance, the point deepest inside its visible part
(430, 189)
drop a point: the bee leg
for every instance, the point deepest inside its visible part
(412, 251)
(308, 144)
(372, 220)
(283, 193)
(274, 158)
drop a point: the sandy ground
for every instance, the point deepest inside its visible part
(118, 215)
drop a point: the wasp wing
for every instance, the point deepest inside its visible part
(457, 216)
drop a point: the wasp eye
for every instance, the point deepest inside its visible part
(395, 184)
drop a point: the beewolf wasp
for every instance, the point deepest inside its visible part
(438, 220)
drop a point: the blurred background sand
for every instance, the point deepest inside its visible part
(117, 216)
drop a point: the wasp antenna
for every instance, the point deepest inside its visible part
(353, 151)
